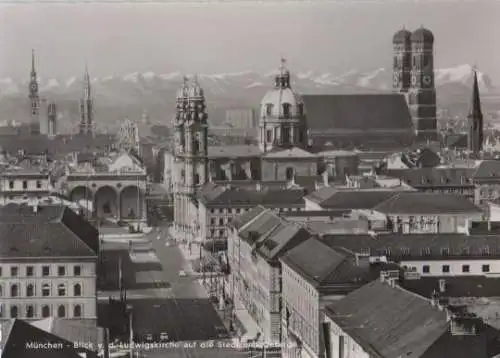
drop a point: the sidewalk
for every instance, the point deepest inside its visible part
(242, 315)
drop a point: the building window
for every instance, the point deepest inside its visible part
(221, 222)
(286, 109)
(1, 290)
(39, 184)
(25, 184)
(77, 311)
(14, 311)
(196, 179)
(300, 109)
(426, 269)
(14, 290)
(221, 233)
(45, 311)
(289, 173)
(30, 270)
(30, 290)
(269, 109)
(486, 268)
(269, 136)
(46, 290)
(11, 184)
(61, 311)
(14, 271)
(30, 311)
(45, 270)
(465, 268)
(77, 288)
(61, 271)
(61, 289)
(77, 271)
(446, 268)
(212, 221)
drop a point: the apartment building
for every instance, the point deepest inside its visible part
(48, 262)
(22, 185)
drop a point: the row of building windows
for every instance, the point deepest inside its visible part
(46, 311)
(38, 184)
(30, 271)
(446, 268)
(46, 290)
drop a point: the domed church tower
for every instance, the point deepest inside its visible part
(282, 115)
(402, 60)
(422, 92)
(190, 157)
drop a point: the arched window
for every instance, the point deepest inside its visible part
(286, 109)
(289, 173)
(61, 289)
(14, 311)
(61, 311)
(30, 311)
(77, 289)
(77, 311)
(30, 290)
(46, 290)
(14, 290)
(45, 311)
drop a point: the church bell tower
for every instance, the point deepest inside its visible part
(475, 120)
(401, 69)
(190, 157)
(86, 107)
(34, 97)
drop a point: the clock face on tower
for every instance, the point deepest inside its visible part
(34, 86)
(427, 80)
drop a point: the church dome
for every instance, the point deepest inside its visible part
(422, 35)
(402, 36)
(282, 100)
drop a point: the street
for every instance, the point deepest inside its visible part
(177, 307)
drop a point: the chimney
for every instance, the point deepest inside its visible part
(442, 285)
(258, 186)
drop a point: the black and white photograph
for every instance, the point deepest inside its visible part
(250, 179)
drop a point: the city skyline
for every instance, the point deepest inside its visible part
(153, 37)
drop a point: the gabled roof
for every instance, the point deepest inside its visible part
(64, 235)
(261, 225)
(434, 177)
(223, 196)
(356, 199)
(248, 216)
(455, 286)
(426, 203)
(361, 112)
(389, 321)
(322, 194)
(409, 247)
(281, 238)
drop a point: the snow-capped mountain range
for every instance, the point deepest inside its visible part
(310, 81)
(118, 97)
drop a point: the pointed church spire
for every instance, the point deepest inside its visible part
(476, 99)
(33, 69)
(86, 82)
(475, 118)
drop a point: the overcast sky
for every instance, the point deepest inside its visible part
(121, 38)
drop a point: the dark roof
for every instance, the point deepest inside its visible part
(248, 216)
(455, 286)
(389, 321)
(280, 239)
(434, 177)
(359, 112)
(408, 247)
(357, 199)
(488, 169)
(426, 203)
(401, 36)
(267, 197)
(21, 333)
(262, 224)
(422, 35)
(316, 213)
(48, 235)
(21, 213)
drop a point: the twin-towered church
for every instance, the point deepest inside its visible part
(299, 135)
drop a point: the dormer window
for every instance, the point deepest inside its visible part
(445, 251)
(286, 109)
(269, 109)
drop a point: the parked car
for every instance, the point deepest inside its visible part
(149, 337)
(163, 336)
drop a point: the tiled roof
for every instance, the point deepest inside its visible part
(293, 152)
(322, 194)
(234, 151)
(426, 203)
(262, 224)
(434, 177)
(68, 235)
(408, 247)
(389, 321)
(488, 169)
(361, 112)
(282, 238)
(22, 332)
(21, 213)
(316, 213)
(357, 199)
(269, 197)
(455, 286)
